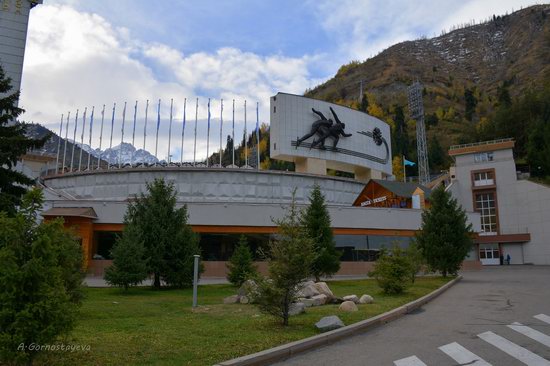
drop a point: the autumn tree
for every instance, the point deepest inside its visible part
(397, 168)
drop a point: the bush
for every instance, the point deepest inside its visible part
(240, 265)
(40, 281)
(392, 271)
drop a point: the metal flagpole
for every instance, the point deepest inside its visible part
(111, 140)
(74, 139)
(59, 145)
(65, 143)
(195, 144)
(183, 128)
(208, 135)
(134, 135)
(158, 125)
(258, 135)
(404, 169)
(90, 138)
(170, 129)
(82, 138)
(121, 137)
(101, 135)
(245, 144)
(233, 134)
(221, 131)
(145, 127)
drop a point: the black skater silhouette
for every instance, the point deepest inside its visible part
(325, 128)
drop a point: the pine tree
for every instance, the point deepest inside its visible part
(471, 102)
(129, 266)
(401, 137)
(436, 155)
(241, 266)
(168, 240)
(40, 281)
(316, 220)
(290, 258)
(13, 144)
(445, 236)
(364, 106)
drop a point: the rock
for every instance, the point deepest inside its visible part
(366, 299)
(329, 323)
(353, 298)
(323, 288)
(307, 289)
(348, 306)
(307, 302)
(336, 300)
(244, 300)
(233, 299)
(248, 288)
(296, 308)
(319, 300)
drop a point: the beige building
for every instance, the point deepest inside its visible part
(514, 212)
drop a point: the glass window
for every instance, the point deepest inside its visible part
(483, 178)
(483, 157)
(366, 248)
(103, 243)
(485, 205)
(489, 251)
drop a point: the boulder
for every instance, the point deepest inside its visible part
(249, 289)
(307, 302)
(336, 300)
(307, 289)
(348, 306)
(329, 323)
(353, 298)
(244, 300)
(366, 299)
(233, 299)
(323, 288)
(319, 300)
(296, 308)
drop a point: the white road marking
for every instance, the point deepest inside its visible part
(409, 361)
(518, 352)
(531, 333)
(462, 355)
(543, 317)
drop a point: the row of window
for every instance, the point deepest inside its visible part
(485, 205)
(220, 247)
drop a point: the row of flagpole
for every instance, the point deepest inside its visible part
(89, 164)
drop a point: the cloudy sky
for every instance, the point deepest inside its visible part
(83, 53)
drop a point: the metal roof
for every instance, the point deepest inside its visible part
(402, 189)
(87, 212)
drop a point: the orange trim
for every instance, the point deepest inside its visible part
(482, 148)
(220, 229)
(503, 238)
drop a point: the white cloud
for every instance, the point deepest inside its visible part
(76, 59)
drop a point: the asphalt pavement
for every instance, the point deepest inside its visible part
(496, 316)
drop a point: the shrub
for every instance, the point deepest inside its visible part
(392, 271)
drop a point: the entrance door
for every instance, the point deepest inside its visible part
(489, 254)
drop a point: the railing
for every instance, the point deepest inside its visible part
(453, 147)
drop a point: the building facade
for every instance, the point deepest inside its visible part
(514, 213)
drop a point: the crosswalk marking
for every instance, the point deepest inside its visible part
(531, 333)
(518, 352)
(409, 361)
(543, 317)
(462, 355)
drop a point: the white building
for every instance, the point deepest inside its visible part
(514, 213)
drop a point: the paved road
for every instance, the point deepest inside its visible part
(470, 322)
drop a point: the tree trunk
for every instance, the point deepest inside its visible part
(156, 283)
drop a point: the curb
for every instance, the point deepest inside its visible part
(285, 351)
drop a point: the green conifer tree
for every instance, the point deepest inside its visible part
(40, 281)
(316, 220)
(129, 266)
(290, 259)
(241, 266)
(13, 144)
(445, 237)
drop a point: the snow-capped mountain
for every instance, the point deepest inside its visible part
(128, 154)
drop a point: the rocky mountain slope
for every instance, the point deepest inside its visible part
(509, 52)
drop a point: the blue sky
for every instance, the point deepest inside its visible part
(84, 53)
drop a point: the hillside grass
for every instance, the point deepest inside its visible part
(146, 327)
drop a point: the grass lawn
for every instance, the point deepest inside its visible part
(149, 327)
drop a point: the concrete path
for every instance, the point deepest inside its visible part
(497, 316)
